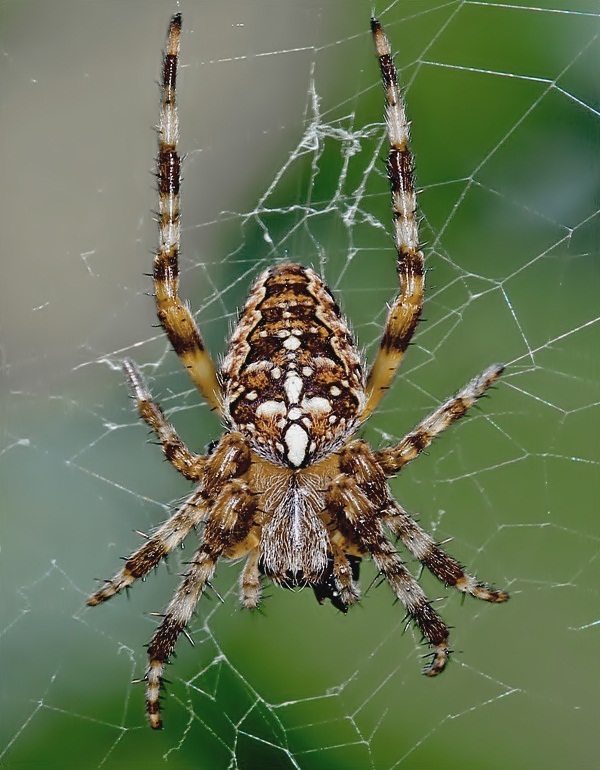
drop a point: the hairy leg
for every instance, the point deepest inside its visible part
(174, 314)
(165, 539)
(437, 561)
(359, 463)
(250, 583)
(393, 459)
(342, 574)
(229, 521)
(355, 512)
(406, 310)
(187, 463)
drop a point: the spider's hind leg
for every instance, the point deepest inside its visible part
(174, 314)
(406, 309)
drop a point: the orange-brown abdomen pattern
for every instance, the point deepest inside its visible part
(293, 381)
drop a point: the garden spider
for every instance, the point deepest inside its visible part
(287, 487)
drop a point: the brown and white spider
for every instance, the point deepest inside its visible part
(287, 487)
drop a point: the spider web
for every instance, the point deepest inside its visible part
(280, 108)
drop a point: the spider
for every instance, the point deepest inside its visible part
(287, 487)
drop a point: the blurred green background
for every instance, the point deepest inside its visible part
(281, 125)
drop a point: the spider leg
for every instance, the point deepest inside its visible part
(393, 459)
(250, 583)
(404, 313)
(358, 463)
(356, 513)
(342, 575)
(178, 614)
(165, 539)
(338, 581)
(229, 521)
(187, 463)
(174, 315)
(437, 561)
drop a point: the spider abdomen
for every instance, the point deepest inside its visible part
(293, 381)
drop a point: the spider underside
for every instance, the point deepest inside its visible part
(287, 487)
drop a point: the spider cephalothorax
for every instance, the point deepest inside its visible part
(287, 487)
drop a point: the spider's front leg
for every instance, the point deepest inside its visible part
(250, 582)
(364, 468)
(229, 461)
(230, 520)
(361, 520)
(344, 576)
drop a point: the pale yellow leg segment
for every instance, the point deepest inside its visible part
(342, 573)
(173, 313)
(405, 312)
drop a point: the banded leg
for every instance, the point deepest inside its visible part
(351, 504)
(187, 463)
(342, 574)
(406, 310)
(229, 522)
(437, 561)
(176, 618)
(173, 313)
(250, 583)
(393, 459)
(163, 541)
